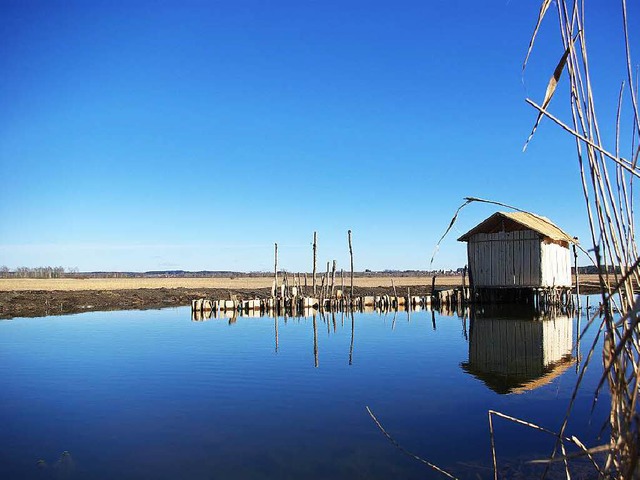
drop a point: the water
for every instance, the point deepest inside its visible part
(151, 394)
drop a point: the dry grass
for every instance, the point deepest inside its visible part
(72, 284)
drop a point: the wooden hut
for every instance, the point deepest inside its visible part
(518, 254)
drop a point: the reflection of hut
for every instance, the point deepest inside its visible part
(512, 355)
(516, 253)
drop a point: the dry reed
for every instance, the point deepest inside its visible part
(607, 184)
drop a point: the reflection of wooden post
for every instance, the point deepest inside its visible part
(315, 341)
(275, 319)
(353, 326)
(351, 254)
(275, 269)
(315, 250)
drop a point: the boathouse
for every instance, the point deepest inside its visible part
(513, 254)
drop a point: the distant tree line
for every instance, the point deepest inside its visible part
(36, 272)
(60, 272)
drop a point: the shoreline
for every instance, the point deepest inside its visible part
(19, 298)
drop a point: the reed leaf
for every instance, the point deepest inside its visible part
(551, 89)
(543, 10)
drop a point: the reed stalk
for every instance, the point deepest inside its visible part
(607, 178)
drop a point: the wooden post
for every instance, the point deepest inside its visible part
(275, 269)
(464, 285)
(306, 293)
(322, 293)
(472, 287)
(315, 251)
(326, 282)
(464, 277)
(575, 266)
(333, 278)
(433, 289)
(285, 284)
(351, 255)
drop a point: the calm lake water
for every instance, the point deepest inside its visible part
(153, 394)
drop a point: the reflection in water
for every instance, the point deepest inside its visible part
(464, 328)
(513, 351)
(137, 396)
(315, 341)
(352, 332)
(275, 322)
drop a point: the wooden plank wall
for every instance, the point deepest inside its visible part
(556, 265)
(505, 259)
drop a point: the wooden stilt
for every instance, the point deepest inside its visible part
(351, 255)
(315, 250)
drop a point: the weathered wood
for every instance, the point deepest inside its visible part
(275, 267)
(351, 255)
(322, 288)
(368, 301)
(310, 302)
(575, 263)
(326, 281)
(315, 247)
(517, 259)
(333, 278)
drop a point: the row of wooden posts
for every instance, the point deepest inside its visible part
(293, 285)
(291, 304)
(292, 295)
(287, 301)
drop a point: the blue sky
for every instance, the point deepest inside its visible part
(194, 135)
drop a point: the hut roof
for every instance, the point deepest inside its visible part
(505, 384)
(514, 221)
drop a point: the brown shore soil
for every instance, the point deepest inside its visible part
(36, 298)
